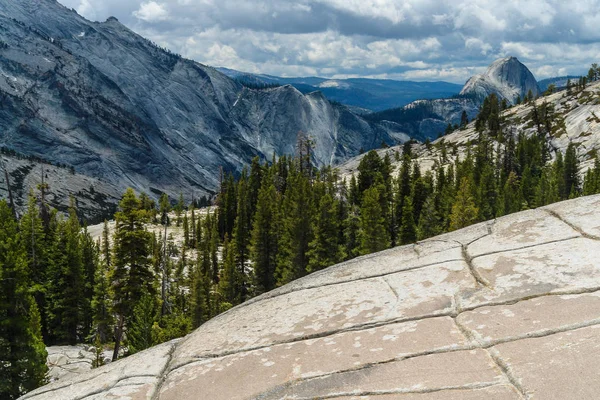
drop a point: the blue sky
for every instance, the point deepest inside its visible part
(395, 39)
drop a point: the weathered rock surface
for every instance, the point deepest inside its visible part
(507, 77)
(66, 362)
(507, 309)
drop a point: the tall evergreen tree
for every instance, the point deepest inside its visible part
(352, 233)
(324, 248)
(264, 239)
(140, 329)
(241, 238)
(571, 171)
(132, 274)
(292, 258)
(429, 224)
(200, 298)
(103, 320)
(66, 284)
(373, 233)
(90, 260)
(464, 211)
(36, 243)
(164, 205)
(23, 354)
(230, 277)
(408, 229)
(106, 253)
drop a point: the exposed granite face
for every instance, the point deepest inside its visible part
(507, 77)
(502, 310)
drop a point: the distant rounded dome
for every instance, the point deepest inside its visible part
(506, 77)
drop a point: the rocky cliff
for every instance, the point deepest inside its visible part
(506, 309)
(507, 77)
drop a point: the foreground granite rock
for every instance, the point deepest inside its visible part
(507, 309)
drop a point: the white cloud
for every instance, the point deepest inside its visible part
(409, 39)
(152, 12)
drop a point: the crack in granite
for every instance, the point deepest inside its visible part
(556, 215)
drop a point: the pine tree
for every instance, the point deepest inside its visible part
(192, 222)
(164, 208)
(351, 233)
(179, 208)
(23, 354)
(213, 247)
(512, 200)
(35, 241)
(464, 119)
(369, 168)
(230, 282)
(571, 172)
(403, 188)
(429, 220)
(106, 253)
(140, 327)
(420, 191)
(241, 238)
(373, 233)
(186, 230)
(227, 207)
(200, 298)
(591, 184)
(464, 211)
(408, 229)
(324, 249)
(546, 191)
(132, 274)
(103, 320)
(66, 284)
(264, 239)
(90, 260)
(292, 258)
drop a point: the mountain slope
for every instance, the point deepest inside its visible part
(575, 118)
(100, 98)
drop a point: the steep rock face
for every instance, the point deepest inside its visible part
(506, 309)
(506, 77)
(118, 108)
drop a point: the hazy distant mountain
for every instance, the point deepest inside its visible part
(371, 94)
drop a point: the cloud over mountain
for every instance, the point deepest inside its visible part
(413, 39)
